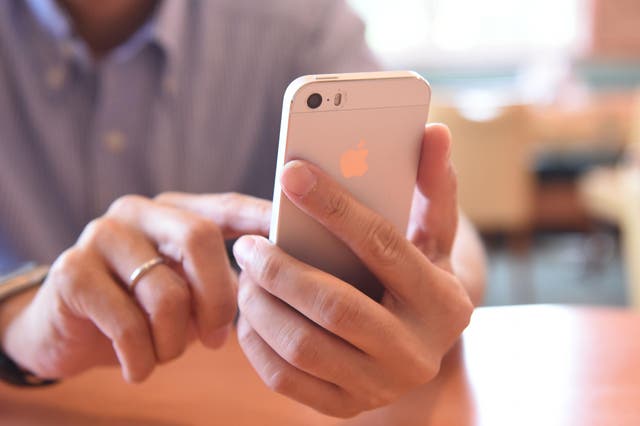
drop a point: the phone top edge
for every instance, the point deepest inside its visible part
(302, 81)
(375, 75)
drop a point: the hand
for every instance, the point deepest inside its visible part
(321, 341)
(84, 315)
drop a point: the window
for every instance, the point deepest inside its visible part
(423, 32)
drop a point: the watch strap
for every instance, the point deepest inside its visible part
(11, 373)
(23, 279)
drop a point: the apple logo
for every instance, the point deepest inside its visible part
(354, 161)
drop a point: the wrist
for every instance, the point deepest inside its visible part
(10, 311)
(17, 291)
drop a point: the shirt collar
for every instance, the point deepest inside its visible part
(165, 28)
(169, 32)
(51, 16)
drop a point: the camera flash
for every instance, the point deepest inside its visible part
(337, 100)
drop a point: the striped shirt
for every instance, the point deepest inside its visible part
(191, 102)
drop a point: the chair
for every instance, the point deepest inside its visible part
(613, 195)
(493, 162)
(496, 186)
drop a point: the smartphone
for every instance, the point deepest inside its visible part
(365, 130)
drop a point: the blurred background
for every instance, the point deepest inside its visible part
(543, 100)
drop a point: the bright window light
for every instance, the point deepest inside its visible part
(421, 31)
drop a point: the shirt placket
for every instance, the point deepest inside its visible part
(114, 168)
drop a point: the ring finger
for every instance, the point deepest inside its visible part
(303, 344)
(161, 293)
(286, 379)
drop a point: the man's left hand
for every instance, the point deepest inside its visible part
(321, 341)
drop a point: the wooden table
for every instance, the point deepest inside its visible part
(529, 365)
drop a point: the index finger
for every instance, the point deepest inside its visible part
(324, 299)
(399, 265)
(235, 214)
(196, 244)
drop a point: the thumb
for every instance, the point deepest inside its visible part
(434, 214)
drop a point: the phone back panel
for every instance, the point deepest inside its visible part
(379, 122)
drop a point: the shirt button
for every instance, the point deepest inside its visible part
(115, 141)
(55, 77)
(170, 86)
(66, 48)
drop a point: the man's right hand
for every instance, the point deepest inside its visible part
(84, 314)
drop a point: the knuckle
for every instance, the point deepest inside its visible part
(124, 204)
(337, 207)
(378, 398)
(230, 199)
(172, 300)
(280, 381)
(219, 310)
(263, 206)
(200, 234)
(139, 375)
(342, 409)
(174, 352)
(69, 260)
(231, 204)
(130, 332)
(464, 312)
(300, 349)
(384, 242)
(246, 297)
(66, 270)
(246, 336)
(459, 308)
(348, 412)
(271, 269)
(165, 197)
(98, 228)
(140, 371)
(336, 313)
(424, 370)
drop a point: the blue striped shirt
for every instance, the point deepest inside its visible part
(191, 102)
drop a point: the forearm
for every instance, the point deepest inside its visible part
(468, 260)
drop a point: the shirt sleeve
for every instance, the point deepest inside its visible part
(336, 43)
(8, 261)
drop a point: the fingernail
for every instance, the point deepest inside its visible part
(241, 250)
(298, 179)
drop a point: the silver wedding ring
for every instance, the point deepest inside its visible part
(141, 270)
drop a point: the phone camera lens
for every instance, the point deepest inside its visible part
(314, 101)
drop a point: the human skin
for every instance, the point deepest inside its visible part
(309, 335)
(106, 24)
(322, 342)
(84, 316)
